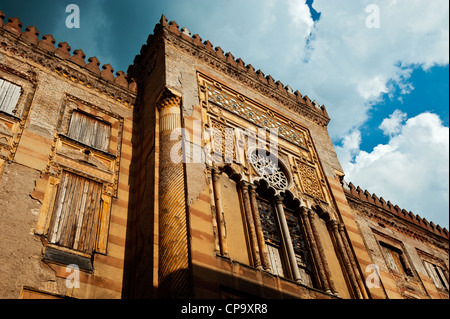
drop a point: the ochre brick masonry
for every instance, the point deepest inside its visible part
(192, 175)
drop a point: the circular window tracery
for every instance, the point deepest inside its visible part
(269, 167)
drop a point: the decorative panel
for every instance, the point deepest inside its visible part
(243, 108)
(223, 142)
(309, 180)
(224, 108)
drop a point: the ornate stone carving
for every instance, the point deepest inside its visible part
(238, 105)
(268, 167)
(309, 180)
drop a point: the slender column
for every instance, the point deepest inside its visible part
(315, 250)
(214, 214)
(258, 228)
(352, 261)
(323, 258)
(243, 185)
(287, 239)
(173, 263)
(345, 259)
(220, 214)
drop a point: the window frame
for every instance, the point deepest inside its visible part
(285, 264)
(437, 274)
(77, 112)
(15, 96)
(63, 210)
(396, 260)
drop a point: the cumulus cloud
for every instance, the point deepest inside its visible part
(411, 170)
(352, 66)
(393, 124)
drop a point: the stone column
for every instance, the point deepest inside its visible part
(359, 280)
(304, 212)
(258, 229)
(312, 218)
(214, 216)
(173, 263)
(243, 186)
(220, 214)
(346, 261)
(287, 239)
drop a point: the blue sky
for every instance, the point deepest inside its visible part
(386, 89)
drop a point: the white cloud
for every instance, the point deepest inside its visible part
(301, 17)
(350, 66)
(411, 170)
(393, 124)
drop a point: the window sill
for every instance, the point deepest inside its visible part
(63, 257)
(227, 259)
(9, 116)
(92, 149)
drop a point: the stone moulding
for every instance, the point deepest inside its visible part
(381, 211)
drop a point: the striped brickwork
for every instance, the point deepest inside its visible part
(37, 140)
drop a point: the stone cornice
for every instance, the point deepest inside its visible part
(386, 218)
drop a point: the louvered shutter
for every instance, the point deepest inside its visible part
(89, 131)
(9, 96)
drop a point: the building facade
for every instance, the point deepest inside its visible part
(190, 176)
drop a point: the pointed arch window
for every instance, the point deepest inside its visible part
(287, 249)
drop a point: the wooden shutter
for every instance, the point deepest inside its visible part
(442, 276)
(271, 236)
(275, 260)
(89, 131)
(9, 95)
(393, 259)
(300, 246)
(76, 212)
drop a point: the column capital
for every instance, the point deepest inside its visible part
(334, 224)
(341, 226)
(312, 214)
(278, 199)
(168, 97)
(244, 184)
(304, 210)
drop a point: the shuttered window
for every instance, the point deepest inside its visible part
(395, 260)
(301, 250)
(90, 131)
(437, 274)
(9, 95)
(75, 213)
(271, 236)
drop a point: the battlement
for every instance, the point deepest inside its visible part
(273, 88)
(373, 199)
(47, 44)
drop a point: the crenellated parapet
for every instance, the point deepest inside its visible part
(76, 59)
(235, 68)
(388, 207)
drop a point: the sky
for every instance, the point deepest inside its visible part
(380, 67)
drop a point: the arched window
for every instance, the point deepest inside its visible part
(288, 251)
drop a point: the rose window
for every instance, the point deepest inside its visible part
(269, 168)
